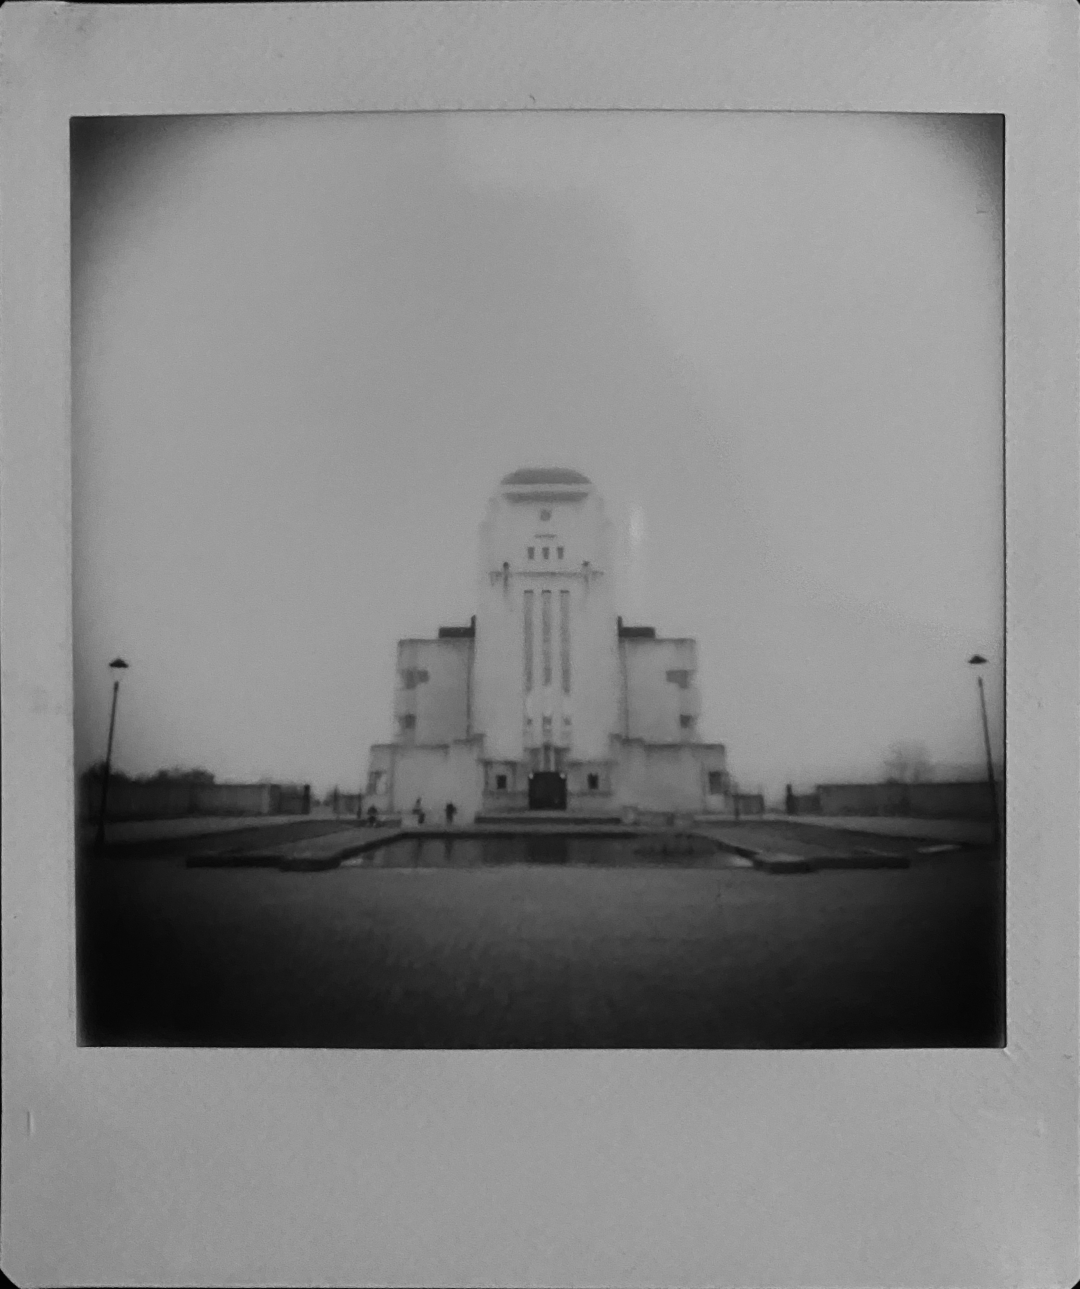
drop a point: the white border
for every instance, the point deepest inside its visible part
(542, 1168)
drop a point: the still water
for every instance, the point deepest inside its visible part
(597, 852)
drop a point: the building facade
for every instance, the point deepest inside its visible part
(547, 699)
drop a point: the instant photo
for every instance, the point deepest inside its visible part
(538, 580)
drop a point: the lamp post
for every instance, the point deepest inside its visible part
(116, 666)
(977, 660)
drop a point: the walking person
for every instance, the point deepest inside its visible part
(418, 811)
(372, 816)
(451, 811)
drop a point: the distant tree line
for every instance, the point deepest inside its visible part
(175, 774)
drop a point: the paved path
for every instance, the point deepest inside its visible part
(189, 826)
(779, 848)
(958, 830)
(974, 831)
(253, 834)
(548, 956)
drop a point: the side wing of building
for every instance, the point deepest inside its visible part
(432, 758)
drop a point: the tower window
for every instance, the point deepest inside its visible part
(687, 722)
(547, 552)
(545, 634)
(717, 782)
(528, 640)
(593, 781)
(559, 552)
(408, 722)
(500, 783)
(564, 639)
(532, 552)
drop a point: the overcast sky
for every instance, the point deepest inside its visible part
(307, 348)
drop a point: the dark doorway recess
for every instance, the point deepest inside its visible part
(547, 790)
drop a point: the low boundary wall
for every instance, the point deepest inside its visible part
(968, 800)
(174, 799)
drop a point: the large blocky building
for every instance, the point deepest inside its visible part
(547, 700)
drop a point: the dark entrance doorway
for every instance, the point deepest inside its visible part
(547, 790)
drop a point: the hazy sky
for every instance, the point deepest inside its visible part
(307, 348)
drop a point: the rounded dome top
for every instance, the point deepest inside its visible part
(544, 475)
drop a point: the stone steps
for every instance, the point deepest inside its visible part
(544, 818)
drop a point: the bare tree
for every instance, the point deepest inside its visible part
(908, 762)
(181, 774)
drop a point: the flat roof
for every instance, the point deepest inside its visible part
(544, 475)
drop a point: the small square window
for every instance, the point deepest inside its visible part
(545, 514)
(532, 552)
(547, 552)
(408, 722)
(686, 722)
(593, 782)
(559, 552)
(717, 782)
(500, 782)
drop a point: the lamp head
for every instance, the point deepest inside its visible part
(976, 660)
(118, 664)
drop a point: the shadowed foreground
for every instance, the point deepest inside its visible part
(541, 956)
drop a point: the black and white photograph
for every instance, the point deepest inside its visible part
(539, 601)
(539, 580)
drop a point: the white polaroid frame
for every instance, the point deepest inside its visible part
(842, 1168)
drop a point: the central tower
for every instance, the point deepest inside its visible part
(547, 665)
(547, 700)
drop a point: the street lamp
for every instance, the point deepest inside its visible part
(116, 667)
(977, 660)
